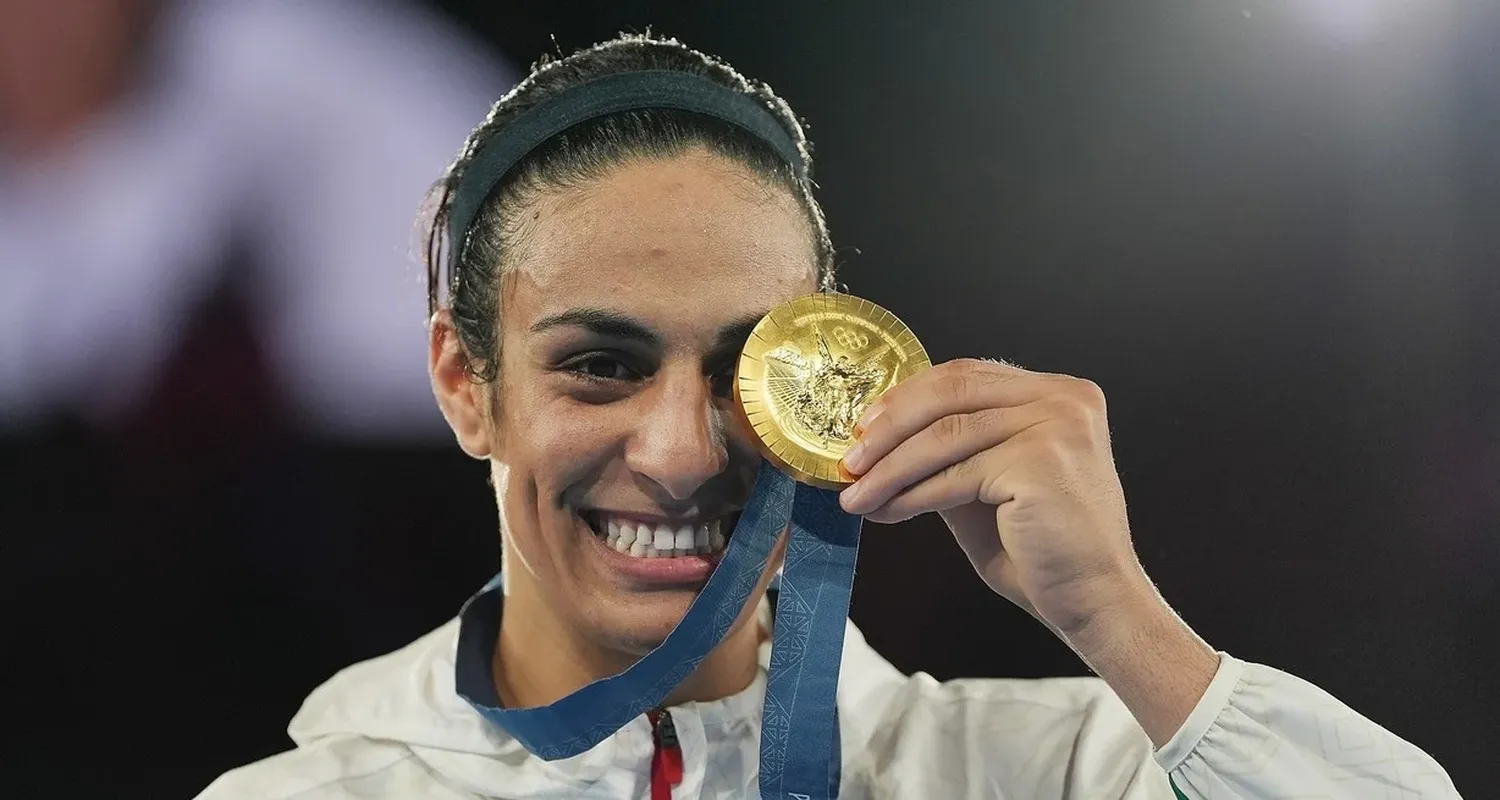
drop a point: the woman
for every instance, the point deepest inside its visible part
(605, 270)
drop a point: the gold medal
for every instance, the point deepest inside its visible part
(809, 370)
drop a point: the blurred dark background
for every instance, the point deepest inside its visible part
(1267, 229)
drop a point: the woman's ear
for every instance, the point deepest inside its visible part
(461, 399)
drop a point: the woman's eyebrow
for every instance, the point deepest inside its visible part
(602, 322)
(616, 325)
(733, 335)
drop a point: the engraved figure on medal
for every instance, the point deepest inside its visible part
(825, 394)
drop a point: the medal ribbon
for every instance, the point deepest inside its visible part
(799, 746)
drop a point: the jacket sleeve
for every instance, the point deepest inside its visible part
(1259, 732)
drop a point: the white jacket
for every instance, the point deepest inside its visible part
(394, 727)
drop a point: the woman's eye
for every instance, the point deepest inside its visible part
(602, 367)
(723, 382)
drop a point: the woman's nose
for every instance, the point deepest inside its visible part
(680, 439)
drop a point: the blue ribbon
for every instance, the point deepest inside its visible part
(799, 748)
(799, 735)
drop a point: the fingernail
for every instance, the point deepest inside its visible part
(849, 495)
(875, 410)
(853, 456)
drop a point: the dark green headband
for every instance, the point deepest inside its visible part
(597, 98)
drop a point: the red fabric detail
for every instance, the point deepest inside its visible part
(666, 763)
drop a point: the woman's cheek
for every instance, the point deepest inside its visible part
(579, 435)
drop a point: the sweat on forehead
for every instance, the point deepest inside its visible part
(687, 227)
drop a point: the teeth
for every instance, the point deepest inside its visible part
(659, 541)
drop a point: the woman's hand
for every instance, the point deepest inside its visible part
(1019, 465)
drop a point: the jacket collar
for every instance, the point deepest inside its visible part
(412, 698)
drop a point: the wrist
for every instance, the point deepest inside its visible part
(1116, 606)
(1151, 659)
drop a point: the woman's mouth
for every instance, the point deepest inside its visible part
(640, 538)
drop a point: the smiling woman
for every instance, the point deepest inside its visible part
(600, 252)
(602, 394)
(612, 398)
(617, 464)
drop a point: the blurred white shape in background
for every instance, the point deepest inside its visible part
(307, 131)
(1355, 21)
(1365, 22)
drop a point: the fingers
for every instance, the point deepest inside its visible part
(956, 485)
(957, 387)
(942, 437)
(944, 444)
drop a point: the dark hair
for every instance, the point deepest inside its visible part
(588, 151)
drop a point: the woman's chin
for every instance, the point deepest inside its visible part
(647, 621)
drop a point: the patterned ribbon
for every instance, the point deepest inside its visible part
(799, 749)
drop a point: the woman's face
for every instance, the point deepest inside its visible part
(619, 462)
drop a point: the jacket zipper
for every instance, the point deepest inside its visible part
(666, 755)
